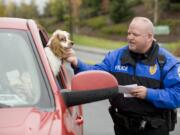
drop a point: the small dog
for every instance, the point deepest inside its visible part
(56, 48)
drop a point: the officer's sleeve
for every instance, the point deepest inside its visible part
(104, 65)
(169, 97)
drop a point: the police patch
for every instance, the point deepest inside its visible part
(178, 70)
(153, 69)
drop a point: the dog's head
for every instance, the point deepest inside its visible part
(59, 42)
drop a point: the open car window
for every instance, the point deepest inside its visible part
(65, 75)
(21, 80)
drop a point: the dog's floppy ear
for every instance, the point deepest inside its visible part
(57, 36)
(61, 37)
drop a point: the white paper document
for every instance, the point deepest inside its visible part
(126, 89)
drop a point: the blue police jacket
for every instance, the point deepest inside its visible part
(163, 85)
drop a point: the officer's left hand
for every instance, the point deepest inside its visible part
(139, 92)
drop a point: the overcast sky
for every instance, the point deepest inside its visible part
(39, 3)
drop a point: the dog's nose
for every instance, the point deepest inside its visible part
(71, 43)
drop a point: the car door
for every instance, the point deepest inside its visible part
(73, 118)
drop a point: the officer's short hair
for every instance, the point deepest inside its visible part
(148, 22)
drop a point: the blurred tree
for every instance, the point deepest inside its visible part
(119, 10)
(156, 11)
(58, 8)
(105, 6)
(174, 5)
(2, 8)
(11, 9)
(90, 8)
(174, 1)
(47, 10)
(133, 3)
(76, 13)
(75, 7)
(156, 7)
(70, 19)
(33, 9)
(28, 10)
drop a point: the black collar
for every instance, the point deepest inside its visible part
(148, 58)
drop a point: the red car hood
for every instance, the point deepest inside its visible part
(28, 121)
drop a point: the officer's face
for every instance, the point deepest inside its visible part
(138, 38)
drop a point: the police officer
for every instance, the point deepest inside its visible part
(150, 108)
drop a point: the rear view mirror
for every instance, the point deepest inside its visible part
(91, 86)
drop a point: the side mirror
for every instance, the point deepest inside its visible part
(90, 86)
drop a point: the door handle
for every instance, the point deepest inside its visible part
(79, 120)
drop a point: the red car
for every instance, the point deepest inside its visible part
(32, 100)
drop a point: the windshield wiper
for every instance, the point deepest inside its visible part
(4, 105)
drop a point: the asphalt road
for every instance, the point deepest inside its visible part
(97, 120)
(96, 117)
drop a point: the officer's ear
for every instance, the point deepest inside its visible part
(150, 37)
(154, 39)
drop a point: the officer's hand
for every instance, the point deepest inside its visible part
(71, 57)
(139, 92)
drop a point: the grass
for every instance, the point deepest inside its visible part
(82, 40)
(97, 42)
(173, 47)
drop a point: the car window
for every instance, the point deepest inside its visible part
(69, 72)
(21, 82)
(43, 39)
(65, 75)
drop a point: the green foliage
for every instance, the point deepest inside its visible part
(162, 4)
(148, 4)
(133, 3)
(58, 8)
(175, 6)
(177, 52)
(27, 10)
(118, 29)
(119, 11)
(49, 23)
(96, 22)
(90, 8)
(47, 10)
(173, 23)
(173, 48)
(24, 10)
(2, 8)
(11, 9)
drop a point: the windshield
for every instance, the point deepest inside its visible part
(21, 81)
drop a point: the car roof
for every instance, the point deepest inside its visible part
(13, 23)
